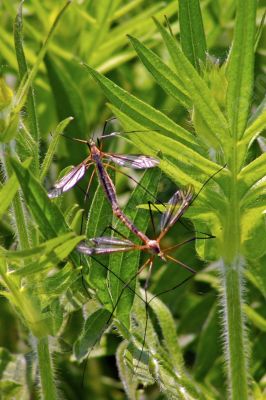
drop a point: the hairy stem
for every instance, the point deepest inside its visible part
(232, 301)
(46, 370)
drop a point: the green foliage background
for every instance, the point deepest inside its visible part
(200, 114)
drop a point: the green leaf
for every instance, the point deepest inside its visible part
(240, 69)
(52, 259)
(255, 196)
(68, 102)
(47, 215)
(52, 147)
(7, 130)
(140, 24)
(192, 37)
(257, 274)
(125, 373)
(39, 250)
(5, 358)
(93, 329)
(99, 218)
(256, 123)
(23, 71)
(256, 319)
(9, 190)
(57, 284)
(26, 82)
(147, 116)
(253, 226)
(208, 340)
(11, 390)
(251, 174)
(12, 373)
(191, 168)
(168, 329)
(6, 95)
(200, 94)
(259, 31)
(170, 82)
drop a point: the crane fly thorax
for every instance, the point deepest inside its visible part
(154, 247)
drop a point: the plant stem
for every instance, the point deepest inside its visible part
(48, 388)
(232, 301)
(19, 214)
(235, 331)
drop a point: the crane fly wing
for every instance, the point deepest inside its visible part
(104, 245)
(68, 181)
(176, 207)
(133, 161)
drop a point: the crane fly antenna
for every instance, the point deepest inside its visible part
(207, 181)
(117, 133)
(152, 219)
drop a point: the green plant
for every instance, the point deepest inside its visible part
(225, 132)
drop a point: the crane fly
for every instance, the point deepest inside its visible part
(69, 180)
(174, 210)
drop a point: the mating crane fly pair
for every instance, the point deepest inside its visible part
(102, 245)
(174, 210)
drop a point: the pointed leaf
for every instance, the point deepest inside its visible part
(169, 81)
(192, 35)
(93, 329)
(200, 94)
(251, 174)
(49, 218)
(240, 69)
(141, 112)
(26, 82)
(256, 123)
(9, 190)
(99, 218)
(52, 147)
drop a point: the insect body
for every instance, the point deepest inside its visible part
(99, 158)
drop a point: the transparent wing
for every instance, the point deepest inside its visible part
(133, 161)
(176, 207)
(104, 245)
(68, 181)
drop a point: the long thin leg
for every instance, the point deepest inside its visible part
(146, 310)
(81, 228)
(86, 197)
(120, 279)
(176, 246)
(183, 265)
(170, 290)
(126, 285)
(114, 230)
